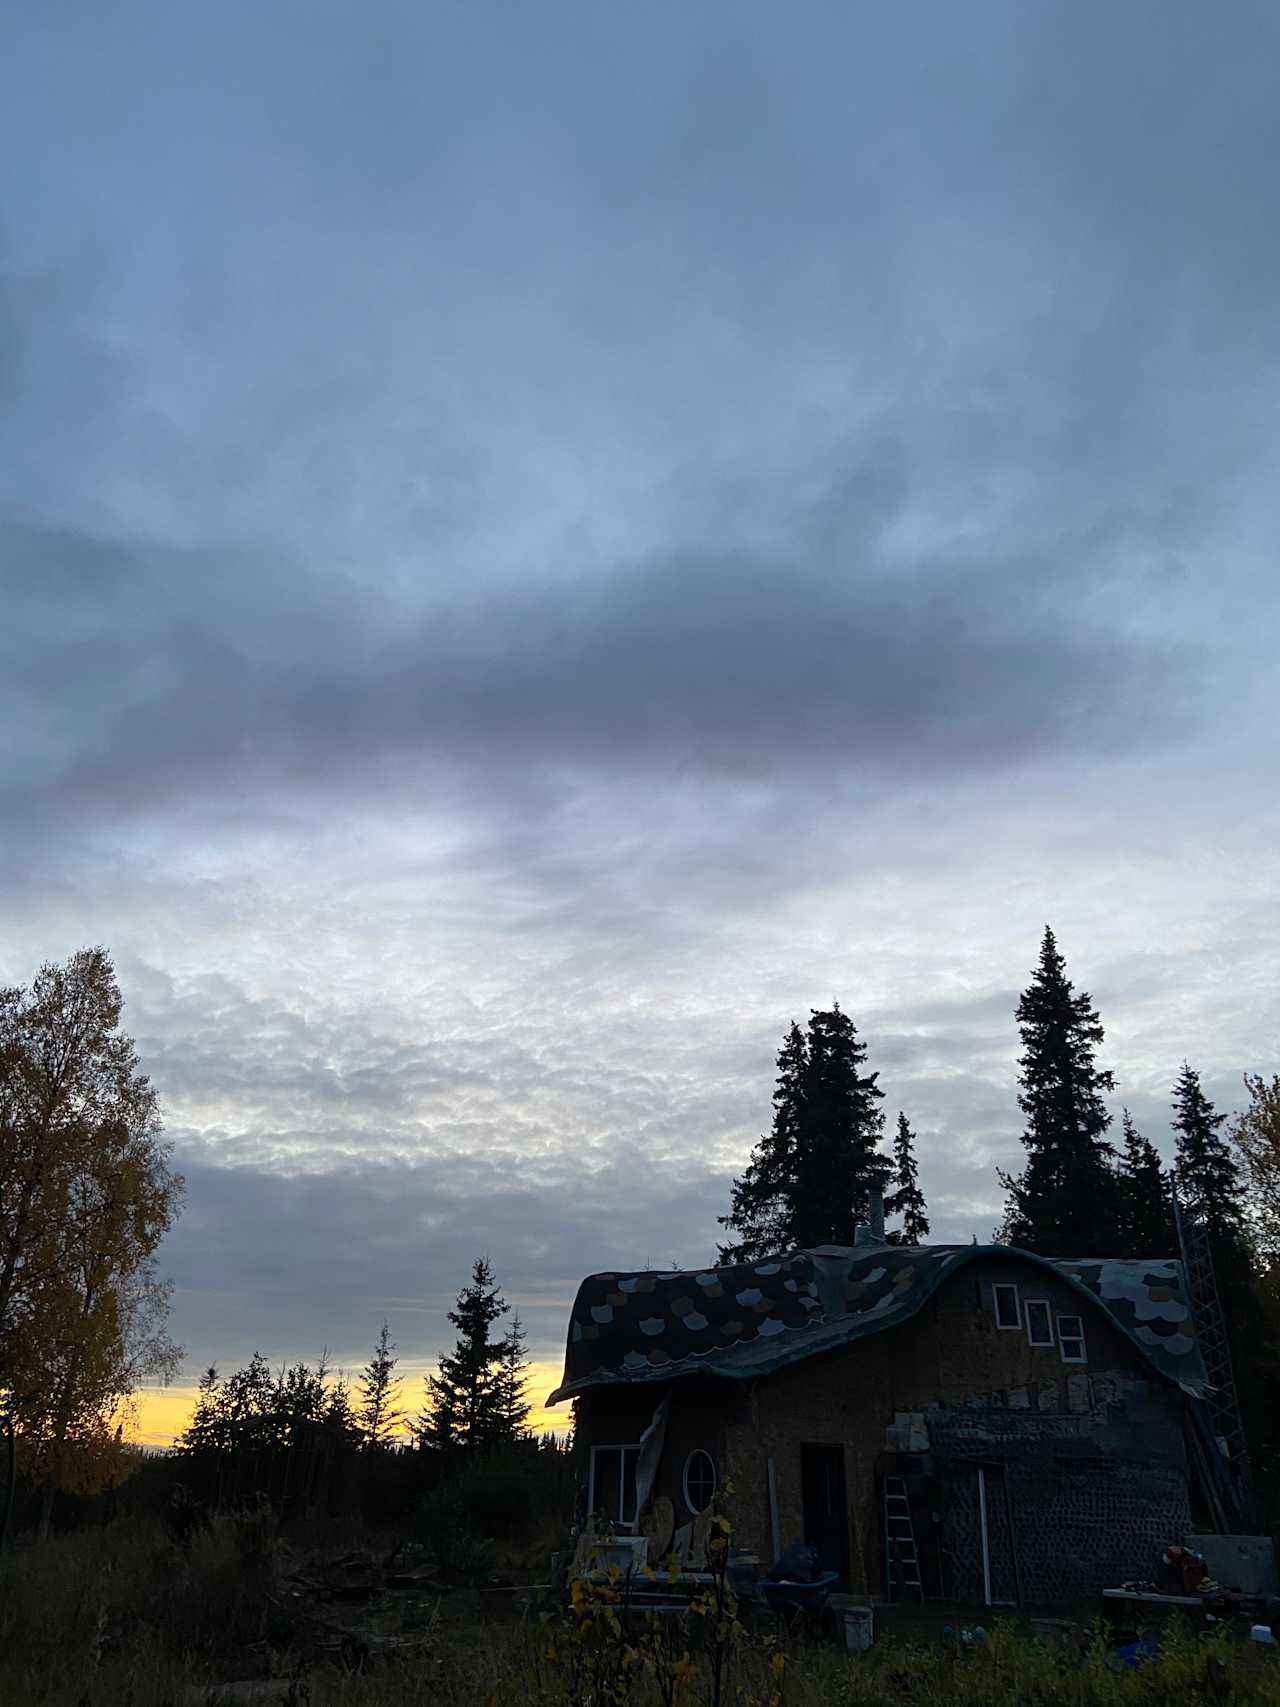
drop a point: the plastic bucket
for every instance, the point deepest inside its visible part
(859, 1628)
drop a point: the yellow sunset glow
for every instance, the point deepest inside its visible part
(161, 1413)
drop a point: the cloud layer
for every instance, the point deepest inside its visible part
(537, 546)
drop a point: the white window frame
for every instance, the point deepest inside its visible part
(700, 1451)
(1030, 1304)
(997, 1287)
(624, 1447)
(1074, 1339)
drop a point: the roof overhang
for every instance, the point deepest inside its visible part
(753, 1319)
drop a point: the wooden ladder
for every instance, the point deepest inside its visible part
(901, 1560)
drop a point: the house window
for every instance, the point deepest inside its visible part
(1039, 1321)
(1071, 1339)
(611, 1494)
(1005, 1298)
(699, 1481)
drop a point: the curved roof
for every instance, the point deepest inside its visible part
(752, 1319)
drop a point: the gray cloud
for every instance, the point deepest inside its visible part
(170, 676)
(537, 544)
(279, 1264)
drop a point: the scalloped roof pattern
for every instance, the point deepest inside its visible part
(751, 1319)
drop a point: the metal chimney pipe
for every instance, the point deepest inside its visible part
(871, 1231)
(875, 1216)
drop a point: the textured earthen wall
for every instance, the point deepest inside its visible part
(1081, 1500)
(1096, 1472)
(699, 1415)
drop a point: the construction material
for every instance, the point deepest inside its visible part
(1244, 1562)
(901, 1559)
(1231, 1455)
(657, 1526)
(859, 1628)
(784, 1596)
(775, 1528)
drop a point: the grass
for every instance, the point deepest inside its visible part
(122, 1616)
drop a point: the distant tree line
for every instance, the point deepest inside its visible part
(307, 1439)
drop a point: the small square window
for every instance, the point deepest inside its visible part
(1005, 1298)
(612, 1491)
(1039, 1321)
(1071, 1339)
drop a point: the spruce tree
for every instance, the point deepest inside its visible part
(1146, 1218)
(907, 1199)
(462, 1395)
(340, 1421)
(1209, 1176)
(760, 1211)
(1207, 1172)
(810, 1179)
(299, 1403)
(378, 1391)
(249, 1407)
(510, 1405)
(1066, 1201)
(838, 1164)
(205, 1432)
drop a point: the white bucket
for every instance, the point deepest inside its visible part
(859, 1628)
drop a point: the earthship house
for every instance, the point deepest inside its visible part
(1032, 1418)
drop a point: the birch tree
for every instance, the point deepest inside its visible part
(86, 1195)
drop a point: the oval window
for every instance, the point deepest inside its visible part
(699, 1481)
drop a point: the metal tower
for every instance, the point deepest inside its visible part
(1192, 1222)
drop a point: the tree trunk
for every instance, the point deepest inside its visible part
(11, 1481)
(46, 1511)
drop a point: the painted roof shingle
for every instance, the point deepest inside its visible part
(749, 1320)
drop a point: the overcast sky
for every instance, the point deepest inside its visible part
(540, 542)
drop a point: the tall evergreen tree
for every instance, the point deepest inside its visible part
(462, 1397)
(838, 1164)
(810, 1179)
(1066, 1201)
(1146, 1214)
(760, 1211)
(907, 1199)
(378, 1391)
(1207, 1171)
